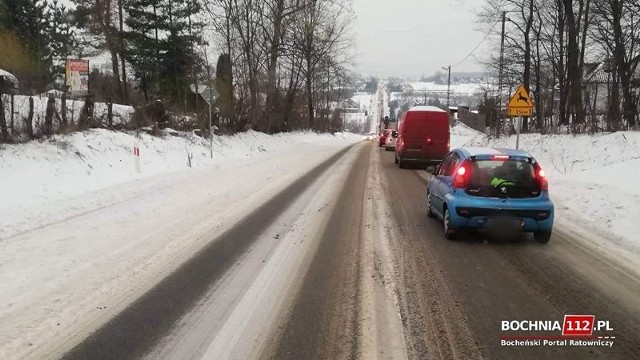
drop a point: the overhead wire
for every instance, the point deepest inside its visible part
(477, 46)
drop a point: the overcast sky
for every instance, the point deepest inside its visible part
(411, 37)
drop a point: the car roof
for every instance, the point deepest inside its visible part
(487, 151)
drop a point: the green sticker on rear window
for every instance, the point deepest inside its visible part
(497, 182)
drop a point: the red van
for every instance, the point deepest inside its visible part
(423, 136)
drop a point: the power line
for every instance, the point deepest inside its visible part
(477, 46)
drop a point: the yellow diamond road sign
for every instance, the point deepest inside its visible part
(520, 103)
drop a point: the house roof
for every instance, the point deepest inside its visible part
(594, 73)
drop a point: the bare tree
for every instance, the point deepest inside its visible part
(277, 49)
(546, 45)
(321, 32)
(618, 32)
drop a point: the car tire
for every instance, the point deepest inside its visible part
(395, 159)
(542, 237)
(449, 232)
(429, 212)
(401, 163)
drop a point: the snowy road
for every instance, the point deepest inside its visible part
(333, 257)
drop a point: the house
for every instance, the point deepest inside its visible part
(349, 106)
(597, 80)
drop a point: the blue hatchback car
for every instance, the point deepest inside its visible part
(493, 189)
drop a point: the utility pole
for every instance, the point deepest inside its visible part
(499, 120)
(448, 68)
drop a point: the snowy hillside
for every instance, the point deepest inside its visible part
(593, 181)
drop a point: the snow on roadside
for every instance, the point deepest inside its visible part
(35, 175)
(462, 134)
(593, 182)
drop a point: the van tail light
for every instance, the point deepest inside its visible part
(461, 176)
(542, 179)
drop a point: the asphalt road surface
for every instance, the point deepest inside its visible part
(345, 264)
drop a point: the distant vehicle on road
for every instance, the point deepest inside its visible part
(390, 143)
(502, 190)
(383, 136)
(370, 136)
(423, 136)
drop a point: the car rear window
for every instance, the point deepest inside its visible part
(503, 178)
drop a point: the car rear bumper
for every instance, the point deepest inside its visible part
(419, 156)
(526, 215)
(416, 160)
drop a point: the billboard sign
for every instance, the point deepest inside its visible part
(77, 76)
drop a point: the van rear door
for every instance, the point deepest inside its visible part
(413, 132)
(427, 135)
(437, 136)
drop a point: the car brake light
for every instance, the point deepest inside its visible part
(460, 177)
(544, 184)
(501, 157)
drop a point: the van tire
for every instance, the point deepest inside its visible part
(401, 164)
(542, 237)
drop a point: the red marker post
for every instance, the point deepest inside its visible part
(136, 155)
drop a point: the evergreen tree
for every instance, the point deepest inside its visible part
(98, 29)
(61, 37)
(26, 19)
(160, 42)
(43, 29)
(224, 85)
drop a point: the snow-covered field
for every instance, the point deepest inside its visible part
(83, 233)
(458, 89)
(592, 180)
(363, 99)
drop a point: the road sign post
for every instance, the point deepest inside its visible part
(518, 132)
(210, 95)
(210, 132)
(520, 105)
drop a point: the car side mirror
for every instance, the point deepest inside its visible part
(432, 169)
